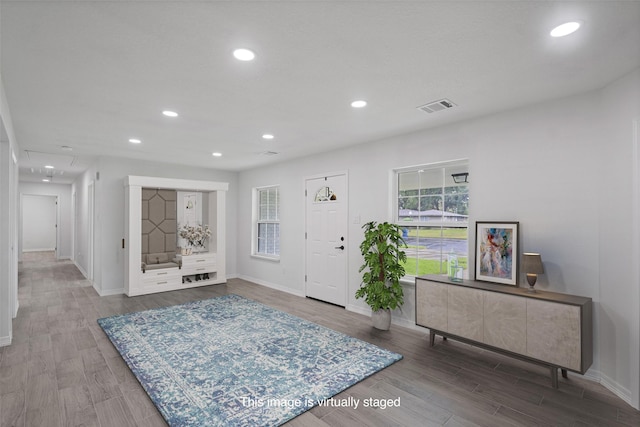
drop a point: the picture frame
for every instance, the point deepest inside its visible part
(496, 252)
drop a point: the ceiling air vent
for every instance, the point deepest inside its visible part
(270, 153)
(434, 107)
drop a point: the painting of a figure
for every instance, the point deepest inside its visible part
(497, 252)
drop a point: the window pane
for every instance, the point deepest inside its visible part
(408, 183)
(269, 209)
(268, 235)
(430, 191)
(261, 239)
(269, 238)
(457, 207)
(432, 179)
(457, 189)
(430, 195)
(431, 208)
(428, 249)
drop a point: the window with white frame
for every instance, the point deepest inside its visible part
(266, 241)
(433, 210)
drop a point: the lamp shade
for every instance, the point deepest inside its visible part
(532, 263)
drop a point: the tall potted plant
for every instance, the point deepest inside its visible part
(383, 257)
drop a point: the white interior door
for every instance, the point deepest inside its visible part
(326, 239)
(39, 223)
(91, 228)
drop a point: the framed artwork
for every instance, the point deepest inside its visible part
(497, 252)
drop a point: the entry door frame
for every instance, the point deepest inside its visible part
(344, 173)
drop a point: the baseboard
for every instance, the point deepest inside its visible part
(108, 292)
(17, 307)
(591, 375)
(405, 323)
(5, 341)
(616, 389)
(39, 250)
(272, 285)
(232, 276)
(357, 309)
(84, 273)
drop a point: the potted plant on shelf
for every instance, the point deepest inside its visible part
(383, 258)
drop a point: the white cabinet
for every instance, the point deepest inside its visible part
(157, 281)
(210, 265)
(544, 327)
(199, 269)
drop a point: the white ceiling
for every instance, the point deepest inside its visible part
(90, 75)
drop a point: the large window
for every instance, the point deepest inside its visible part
(433, 212)
(266, 240)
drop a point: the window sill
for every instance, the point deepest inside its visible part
(408, 281)
(271, 258)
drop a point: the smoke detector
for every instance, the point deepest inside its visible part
(434, 107)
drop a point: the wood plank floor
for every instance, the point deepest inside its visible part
(61, 369)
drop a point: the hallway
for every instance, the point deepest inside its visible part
(60, 368)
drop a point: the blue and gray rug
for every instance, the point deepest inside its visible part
(231, 361)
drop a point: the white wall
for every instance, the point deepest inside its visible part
(541, 165)
(80, 219)
(109, 218)
(65, 214)
(619, 326)
(8, 221)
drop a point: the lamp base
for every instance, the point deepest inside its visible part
(531, 280)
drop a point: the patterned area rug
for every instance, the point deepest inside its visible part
(231, 361)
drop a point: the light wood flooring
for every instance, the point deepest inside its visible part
(61, 369)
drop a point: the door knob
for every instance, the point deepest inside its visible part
(340, 247)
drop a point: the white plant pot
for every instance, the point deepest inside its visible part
(381, 319)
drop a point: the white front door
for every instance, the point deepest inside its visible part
(326, 238)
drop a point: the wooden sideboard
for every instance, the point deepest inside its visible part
(547, 328)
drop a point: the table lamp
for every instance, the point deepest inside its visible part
(532, 267)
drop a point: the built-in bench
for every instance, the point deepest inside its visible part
(160, 260)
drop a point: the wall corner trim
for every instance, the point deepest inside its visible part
(5, 341)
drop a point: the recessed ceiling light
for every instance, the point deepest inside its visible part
(268, 136)
(217, 154)
(170, 113)
(565, 29)
(244, 54)
(48, 167)
(45, 180)
(134, 140)
(359, 104)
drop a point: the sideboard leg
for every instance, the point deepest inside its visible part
(564, 373)
(444, 338)
(432, 338)
(554, 377)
